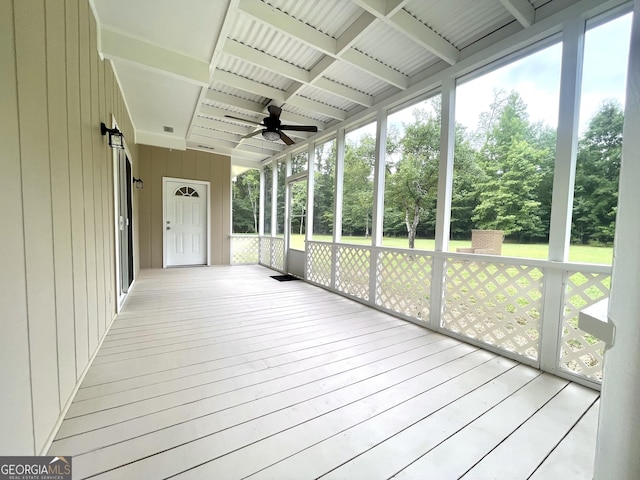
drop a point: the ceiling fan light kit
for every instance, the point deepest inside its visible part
(270, 135)
(273, 128)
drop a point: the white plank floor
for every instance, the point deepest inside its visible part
(225, 373)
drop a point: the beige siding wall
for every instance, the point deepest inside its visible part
(155, 163)
(57, 262)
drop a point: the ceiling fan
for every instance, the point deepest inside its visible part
(273, 128)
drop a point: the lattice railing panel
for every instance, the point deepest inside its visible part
(403, 283)
(495, 303)
(352, 271)
(319, 263)
(277, 253)
(245, 249)
(581, 352)
(265, 251)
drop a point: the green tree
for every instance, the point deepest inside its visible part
(246, 197)
(510, 204)
(512, 158)
(597, 176)
(467, 175)
(413, 186)
(324, 197)
(357, 205)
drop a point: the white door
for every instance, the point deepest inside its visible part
(297, 218)
(185, 222)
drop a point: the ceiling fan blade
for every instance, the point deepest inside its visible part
(286, 139)
(249, 135)
(252, 122)
(299, 128)
(274, 111)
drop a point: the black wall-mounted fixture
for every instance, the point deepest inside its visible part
(116, 139)
(138, 183)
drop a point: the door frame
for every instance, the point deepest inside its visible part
(294, 258)
(119, 184)
(207, 187)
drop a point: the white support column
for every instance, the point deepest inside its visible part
(563, 183)
(337, 207)
(445, 172)
(339, 187)
(378, 179)
(286, 227)
(261, 205)
(567, 140)
(311, 177)
(445, 192)
(618, 441)
(274, 198)
(377, 215)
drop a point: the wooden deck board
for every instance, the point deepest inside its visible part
(225, 373)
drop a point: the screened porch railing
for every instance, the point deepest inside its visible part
(523, 308)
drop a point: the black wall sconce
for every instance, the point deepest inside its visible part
(116, 140)
(138, 183)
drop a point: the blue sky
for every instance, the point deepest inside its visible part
(537, 79)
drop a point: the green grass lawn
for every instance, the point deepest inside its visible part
(577, 253)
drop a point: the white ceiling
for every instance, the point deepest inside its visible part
(187, 64)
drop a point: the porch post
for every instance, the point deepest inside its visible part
(286, 226)
(562, 197)
(618, 442)
(443, 206)
(311, 178)
(337, 206)
(261, 204)
(274, 197)
(339, 187)
(378, 179)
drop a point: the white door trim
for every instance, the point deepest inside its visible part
(295, 259)
(207, 186)
(120, 296)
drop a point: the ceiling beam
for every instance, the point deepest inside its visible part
(228, 99)
(248, 85)
(148, 56)
(424, 36)
(229, 127)
(231, 146)
(205, 145)
(221, 112)
(286, 117)
(222, 126)
(227, 21)
(229, 137)
(319, 41)
(344, 91)
(522, 10)
(392, 13)
(280, 96)
(353, 32)
(261, 59)
(314, 106)
(289, 25)
(377, 69)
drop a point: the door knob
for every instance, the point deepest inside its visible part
(168, 228)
